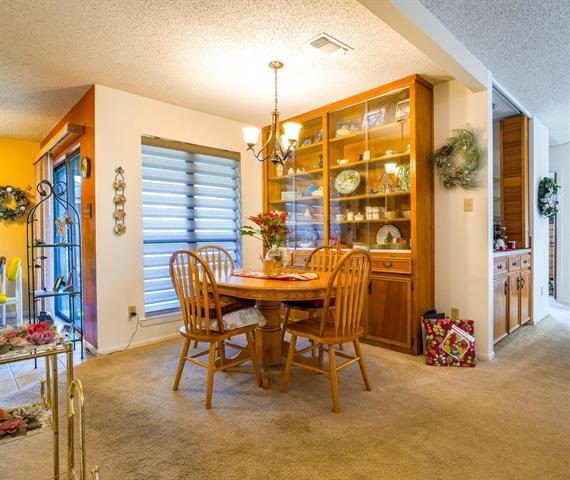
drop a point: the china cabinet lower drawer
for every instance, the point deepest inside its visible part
(392, 265)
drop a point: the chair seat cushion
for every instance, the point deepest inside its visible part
(236, 319)
(229, 305)
(311, 328)
(308, 304)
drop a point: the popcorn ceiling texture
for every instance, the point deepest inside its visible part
(207, 55)
(525, 44)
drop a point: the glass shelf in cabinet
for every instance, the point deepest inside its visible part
(361, 134)
(300, 174)
(363, 163)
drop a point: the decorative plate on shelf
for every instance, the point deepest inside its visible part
(347, 182)
(383, 232)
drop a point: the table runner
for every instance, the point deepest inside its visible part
(303, 276)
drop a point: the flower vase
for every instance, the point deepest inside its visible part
(272, 267)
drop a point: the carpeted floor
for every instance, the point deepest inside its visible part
(505, 419)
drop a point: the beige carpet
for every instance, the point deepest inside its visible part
(503, 419)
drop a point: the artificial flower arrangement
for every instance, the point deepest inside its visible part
(12, 338)
(17, 422)
(271, 229)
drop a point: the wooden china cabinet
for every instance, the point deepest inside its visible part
(361, 177)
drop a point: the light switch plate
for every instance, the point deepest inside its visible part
(468, 204)
(454, 313)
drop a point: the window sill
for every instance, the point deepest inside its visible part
(161, 319)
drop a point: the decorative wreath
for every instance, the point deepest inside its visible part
(13, 202)
(462, 144)
(548, 197)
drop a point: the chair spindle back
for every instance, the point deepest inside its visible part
(218, 258)
(346, 293)
(197, 291)
(323, 258)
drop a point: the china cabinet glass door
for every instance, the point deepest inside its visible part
(369, 173)
(297, 188)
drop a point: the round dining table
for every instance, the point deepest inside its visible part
(268, 295)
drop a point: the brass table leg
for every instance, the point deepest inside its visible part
(55, 415)
(268, 336)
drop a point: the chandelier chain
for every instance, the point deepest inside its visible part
(275, 89)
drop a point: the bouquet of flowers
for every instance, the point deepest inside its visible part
(12, 338)
(271, 229)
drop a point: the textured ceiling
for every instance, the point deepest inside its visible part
(526, 44)
(208, 55)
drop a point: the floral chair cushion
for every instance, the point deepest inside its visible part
(238, 319)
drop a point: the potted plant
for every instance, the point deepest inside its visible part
(271, 229)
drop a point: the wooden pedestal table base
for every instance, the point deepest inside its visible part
(268, 295)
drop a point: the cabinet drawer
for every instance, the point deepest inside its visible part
(514, 263)
(394, 265)
(525, 260)
(501, 266)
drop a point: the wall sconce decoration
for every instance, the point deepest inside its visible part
(119, 200)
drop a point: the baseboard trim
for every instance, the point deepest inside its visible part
(140, 343)
(486, 357)
(536, 322)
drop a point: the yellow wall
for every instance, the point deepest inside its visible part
(16, 169)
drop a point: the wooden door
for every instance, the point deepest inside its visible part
(389, 318)
(514, 303)
(514, 179)
(525, 297)
(500, 311)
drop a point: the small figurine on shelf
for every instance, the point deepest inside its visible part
(499, 235)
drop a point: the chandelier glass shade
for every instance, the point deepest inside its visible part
(279, 145)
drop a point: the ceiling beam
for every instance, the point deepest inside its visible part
(419, 27)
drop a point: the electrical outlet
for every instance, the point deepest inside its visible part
(468, 204)
(454, 313)
(132, 311)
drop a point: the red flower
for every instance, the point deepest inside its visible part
(12, 426)
(38, 327)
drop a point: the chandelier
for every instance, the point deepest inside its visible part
(278, 146)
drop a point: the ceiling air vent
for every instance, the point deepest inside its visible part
(328, 45)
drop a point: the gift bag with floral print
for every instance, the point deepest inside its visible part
(449, 343)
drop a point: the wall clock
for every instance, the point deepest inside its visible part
(85, 167)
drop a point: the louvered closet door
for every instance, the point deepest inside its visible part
(190, 198)
(514, 179)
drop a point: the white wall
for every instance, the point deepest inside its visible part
(121, 119)
(463, 240)
(560, 163)
(538, 160)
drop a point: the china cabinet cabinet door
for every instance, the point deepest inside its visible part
(297, 188)
(369, 173)
(525, 297)
(390, 310)
(500, 293)
(513, 302)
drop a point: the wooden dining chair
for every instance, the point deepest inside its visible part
(321, 259)
(339, 323)
(221, 263)
(208, 319)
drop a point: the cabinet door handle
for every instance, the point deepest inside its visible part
(506, 287)
(522, 282)
(387, 264)
(518, 283)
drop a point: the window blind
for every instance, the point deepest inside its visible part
(191, 197)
